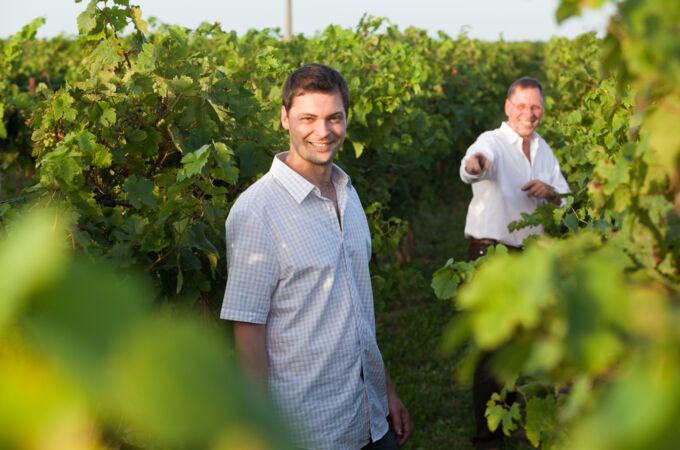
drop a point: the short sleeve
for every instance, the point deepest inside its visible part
(252, 268)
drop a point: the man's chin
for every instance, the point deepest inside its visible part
(324, 158)
(527, 131)
(323, 161)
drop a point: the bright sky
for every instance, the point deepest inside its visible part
(484, 19)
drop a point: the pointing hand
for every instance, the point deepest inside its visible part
(477, 164)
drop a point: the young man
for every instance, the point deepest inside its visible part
(512, 170)
(298, 287)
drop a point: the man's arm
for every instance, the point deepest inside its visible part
(478, 162)
(551, 190)
(401, 420)
(252, 274)
(541, 190)
(251, 352)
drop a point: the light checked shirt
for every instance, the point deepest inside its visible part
(295, 268)
(497, 196)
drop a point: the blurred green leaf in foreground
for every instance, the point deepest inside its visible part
(87, 361)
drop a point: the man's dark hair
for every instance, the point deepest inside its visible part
(523, 83)
(314, 78)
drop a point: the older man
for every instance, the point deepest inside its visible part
(512, 170)
(299, 289)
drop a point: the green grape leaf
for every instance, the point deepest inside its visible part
(136, 135)
(140, 23)
(613, 174)
(196, 238)
(540, 417)
(60, 167)
(358, 148)
(497, 415)
(508, 291)
(665, 134)
(571, 222)
(220, 111)
(511, 419)
(494, 415)
(104, 56)
(117, 17)
(108, 117)
(228, 170)
(193, 163)
(211, 385)
(140, 191)
(61, 107)
(99, 155)
(32, 256)
(87, 20)
(146, 60)
(445, 281)
(132, 228)
(13, 47)
(181, 85)
(80, 333)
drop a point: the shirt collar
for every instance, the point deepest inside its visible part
(512, 135)
(297, 185)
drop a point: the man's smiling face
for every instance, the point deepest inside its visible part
(524, 110)
(316, 123)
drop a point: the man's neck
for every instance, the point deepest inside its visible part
(529, 137)
(526, 147)
(318, 175)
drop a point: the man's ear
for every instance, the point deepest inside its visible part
(284, 118)
(507, 107)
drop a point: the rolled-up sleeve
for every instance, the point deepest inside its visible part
(252, 268)
(558, 182)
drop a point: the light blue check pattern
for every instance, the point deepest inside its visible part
(292, 267)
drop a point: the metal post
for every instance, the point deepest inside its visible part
(288, 33)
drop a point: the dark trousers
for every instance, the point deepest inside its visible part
(483, 386)
(483, 382)
(478, 248)
(387, 442)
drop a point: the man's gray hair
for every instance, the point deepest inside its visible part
(523, 83)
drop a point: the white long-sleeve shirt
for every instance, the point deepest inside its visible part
(497, 196)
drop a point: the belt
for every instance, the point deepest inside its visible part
(488, 242)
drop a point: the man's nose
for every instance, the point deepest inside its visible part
(322, 128)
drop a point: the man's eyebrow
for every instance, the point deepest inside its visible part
(333, 115)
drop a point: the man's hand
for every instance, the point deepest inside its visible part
(476, 164)
(538, 189)
(399, 416)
